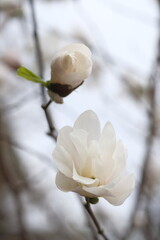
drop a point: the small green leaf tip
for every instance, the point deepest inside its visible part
(27, 74)
(93, 200)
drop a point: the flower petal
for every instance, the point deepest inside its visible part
(63, 160)
(99, 191)
(79, 140)
(107, 141)
(119, 157)
(81, 70)
(65, 141)
(79, 47)
(122, 190)
(89, 122)
(84, 180)
(106, 164)
(64, 183)
(90, 161)
(116, 193)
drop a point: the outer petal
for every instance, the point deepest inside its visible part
(75, 62)
(78, 47)
(64, 152)
(65, 141)
(89, 122)
(64, 183)
(82, 192)
(79, 140)
(100, 191)
(81, 69)
(116, 193)
(119, 157)
(63, 160)
(106, 164)
(122, 190)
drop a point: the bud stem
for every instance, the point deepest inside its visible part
(45, 106)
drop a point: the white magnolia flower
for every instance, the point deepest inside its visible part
(92, 163)
(71, 65)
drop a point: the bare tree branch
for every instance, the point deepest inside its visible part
(52, 130)
(94, 219)
(153, 129)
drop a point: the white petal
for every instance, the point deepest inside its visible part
(64, 183)
(65, 141)
(63, 160)
(79, 140)
(107, 141)
(115, 194)
(99, 191)
(103, 169)
(64, 151)
(105, 165)
(89, 122)
(84, 180)
(89, 167)
(82, 63)
(116, 201)
(120, 159)
(122, 190)
(78, 47)
(82, 192)
(79, 71)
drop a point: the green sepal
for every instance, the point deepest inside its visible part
(27, 74)
(93, 200)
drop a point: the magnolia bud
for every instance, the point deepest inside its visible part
(69, 68)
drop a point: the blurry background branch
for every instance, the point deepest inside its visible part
(14, 180)
(39, 57)
(144, 193)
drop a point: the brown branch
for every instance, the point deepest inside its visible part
(89, 223)
(52, 131)
(94, 219)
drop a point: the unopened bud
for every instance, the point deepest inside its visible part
(69, 68)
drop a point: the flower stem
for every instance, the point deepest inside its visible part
(94, 219)
(45, 106)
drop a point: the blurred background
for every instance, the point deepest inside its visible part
(124, 88)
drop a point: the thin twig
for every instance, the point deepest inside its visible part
(94, 219)
(89, 223)
(52, 131)
(45, 106)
